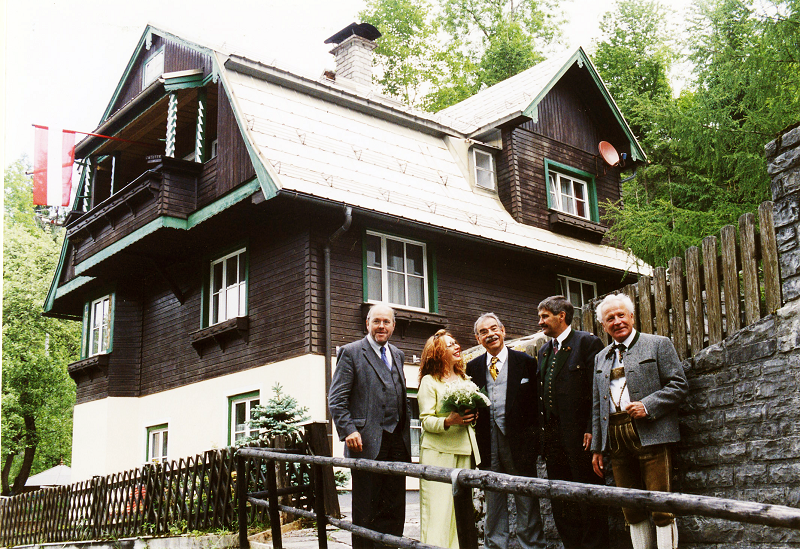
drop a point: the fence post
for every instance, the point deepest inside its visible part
(274, 515)
(319, 505)
(465, 513)
(241, 500)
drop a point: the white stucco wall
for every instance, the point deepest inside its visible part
(110, 435)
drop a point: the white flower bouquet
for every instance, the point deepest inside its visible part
(463, 395)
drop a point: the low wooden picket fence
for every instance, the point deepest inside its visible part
(710, 294)
(188, 494)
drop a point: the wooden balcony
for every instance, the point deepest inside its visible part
(167, 188)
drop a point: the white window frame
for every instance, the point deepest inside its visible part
(155, 63)
(554, 183)
(565, 286)
(101, 327)
(240, 285)
(250, 402)
(477, 169)
(416, 428)
(156, 453)
(385, 272)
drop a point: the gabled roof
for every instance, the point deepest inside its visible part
(520, 95)
(338, 143)
(321, 140)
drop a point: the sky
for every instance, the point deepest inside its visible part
(64, 58)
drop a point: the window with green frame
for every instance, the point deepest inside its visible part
(571, 191)
(98, 326)
(225, 286)
(157, 443)
(399, 271)
(240, 411)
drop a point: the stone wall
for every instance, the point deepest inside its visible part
(740, 427)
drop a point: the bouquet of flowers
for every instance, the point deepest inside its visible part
(463, 395)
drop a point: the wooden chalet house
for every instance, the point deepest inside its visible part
(247, 217)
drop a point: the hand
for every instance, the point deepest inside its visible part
(353, 442)
(587, 441)
(636, 410)
(597, 465)
(457, 419)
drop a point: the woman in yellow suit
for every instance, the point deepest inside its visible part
(448, 439)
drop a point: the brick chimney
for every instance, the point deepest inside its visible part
(353, 51)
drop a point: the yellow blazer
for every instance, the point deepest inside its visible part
(456, 439)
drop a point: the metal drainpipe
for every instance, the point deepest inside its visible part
(348, 219)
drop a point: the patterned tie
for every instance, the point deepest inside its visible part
(555, 345)
(493, 367)
(620, 347)
(385, 358)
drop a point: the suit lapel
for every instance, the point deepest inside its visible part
(563, 354)
(547, 351)
(513, 378)
(379, 367)
(396, 363)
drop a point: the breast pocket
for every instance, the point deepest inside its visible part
(643, 378)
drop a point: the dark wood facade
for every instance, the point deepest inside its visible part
(158, 281)
(286, 301)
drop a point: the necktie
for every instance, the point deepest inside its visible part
(385, 358)
(620, 348)
(493, 367)
(555, 345)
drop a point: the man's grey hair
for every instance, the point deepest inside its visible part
(558, 304)
(483, 317)
(613, 299)
(379, 306)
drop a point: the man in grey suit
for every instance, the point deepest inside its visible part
(639, 384)
(368, 405)
(509, 432)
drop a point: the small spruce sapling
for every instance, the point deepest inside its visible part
(279, 416)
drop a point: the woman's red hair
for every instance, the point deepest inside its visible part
(433, 358)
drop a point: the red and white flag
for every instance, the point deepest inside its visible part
(53, 155)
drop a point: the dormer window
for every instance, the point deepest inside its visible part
(484, 169)
(153, 68)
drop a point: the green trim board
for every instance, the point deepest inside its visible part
(144, 44)
(266, 180)
(588, 178)
(531, 111)
(231, 400)
(193, 220)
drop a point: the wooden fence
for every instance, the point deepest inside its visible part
(195, 493)
(712, 293)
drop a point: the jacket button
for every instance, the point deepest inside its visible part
(605, 397)
(604, 417)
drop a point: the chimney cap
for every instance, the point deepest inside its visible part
(364, 30)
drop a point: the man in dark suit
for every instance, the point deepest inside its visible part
(368, 405)
(565, 375)
(639, 384)
(508, 433)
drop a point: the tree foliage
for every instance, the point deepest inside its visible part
(279, 416)
(38, 395)
(436, 53)
(705, 147)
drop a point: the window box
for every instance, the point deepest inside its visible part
(566, 223)
(221, 333)
(94, 366)
(403, 318)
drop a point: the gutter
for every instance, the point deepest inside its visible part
(348, 220)
(371, 214)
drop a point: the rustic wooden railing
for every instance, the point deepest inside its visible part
(464, 480)
(719, 288)
(188, 494)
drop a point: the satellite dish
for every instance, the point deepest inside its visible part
(609, 153)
